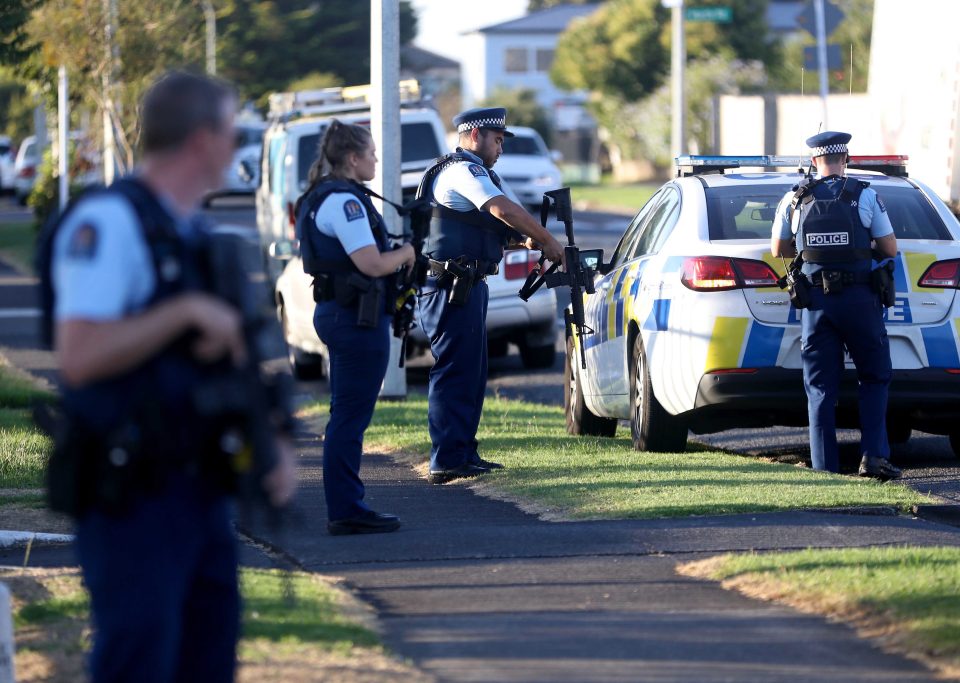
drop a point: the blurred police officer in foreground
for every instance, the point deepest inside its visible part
(135, 334)
(833, 221)
(344, 246)
(473, 221)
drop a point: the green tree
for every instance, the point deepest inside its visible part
(522, 109)
(15, 43)
(537, 5)
(624, 48)
(264, 45)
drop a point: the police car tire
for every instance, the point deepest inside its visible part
(653, 429)
(497, 348)
(538, 357)
(580, 421)
(303, 365)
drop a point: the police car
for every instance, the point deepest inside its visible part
(691, 331)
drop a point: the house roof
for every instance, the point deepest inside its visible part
(416, 58)
(551, 20)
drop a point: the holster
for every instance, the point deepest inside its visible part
(797, 286)
(882, 281)
(368, 297)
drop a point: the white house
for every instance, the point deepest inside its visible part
(518, 54)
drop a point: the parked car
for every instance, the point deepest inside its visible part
(7, 173)
(243, 175)
(528, 166)
(692, 332)
(25, 168)
(290, 148)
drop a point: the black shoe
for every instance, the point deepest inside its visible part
(878, 468)
(480, 462)
(369, 522)
(462, 472)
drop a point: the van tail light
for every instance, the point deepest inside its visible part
(720, 273)
(291, 222)
(28, 172)
(942, 275)
(517, 263)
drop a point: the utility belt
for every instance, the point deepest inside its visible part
(880, 279)
(834, 281)
(88, 470)
(352, 290)
(459, 275)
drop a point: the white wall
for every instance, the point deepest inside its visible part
(741, 125)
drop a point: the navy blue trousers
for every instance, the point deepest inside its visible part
(358, 363)
(458, 379)
(852, 319)
(163, 588)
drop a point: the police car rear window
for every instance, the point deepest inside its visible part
(738, 213)
(743, 212)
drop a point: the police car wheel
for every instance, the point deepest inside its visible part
(898, 433)
(651, 426)
(497, 348)
(580, 421)
(955, 443)
(303, 365)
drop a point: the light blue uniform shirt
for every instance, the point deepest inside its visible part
(343, 216)
(102, 268)
(873, 215)
(466, 185)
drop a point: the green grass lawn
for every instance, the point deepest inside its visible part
(592, 477)
(16, 244)
(295, 621)
(912, 592)
(614, 198)
(24, 449)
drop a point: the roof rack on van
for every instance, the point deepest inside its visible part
(692, 164)
(289, 105)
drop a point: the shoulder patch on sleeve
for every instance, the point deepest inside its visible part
(83, 242)
(352, 209)
(883, 209)
(477, 170)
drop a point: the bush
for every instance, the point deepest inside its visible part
(45, 197)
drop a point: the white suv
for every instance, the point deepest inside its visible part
(527, 166)
(290, 148)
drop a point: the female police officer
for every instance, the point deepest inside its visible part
(344, 247)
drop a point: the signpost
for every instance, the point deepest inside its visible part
(821, 18)
(716, 15)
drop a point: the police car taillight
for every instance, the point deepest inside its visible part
(718, 273)
(517, 263)
(942, 275)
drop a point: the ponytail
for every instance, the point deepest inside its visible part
(339, 139)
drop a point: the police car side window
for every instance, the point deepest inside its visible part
(659, 226)
(625, 247)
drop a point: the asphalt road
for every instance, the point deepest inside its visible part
(927, 459)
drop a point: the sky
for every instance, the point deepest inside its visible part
(440, 22)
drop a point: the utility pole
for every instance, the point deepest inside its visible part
(385, 125)
(112, 55)
(678, 65)
(211, 18)
(822, 58)
(63, 135)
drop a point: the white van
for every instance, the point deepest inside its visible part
(290, 147)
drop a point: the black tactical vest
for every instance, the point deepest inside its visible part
(830, 232)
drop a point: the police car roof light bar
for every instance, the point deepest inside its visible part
(330, 100)
(894, 164)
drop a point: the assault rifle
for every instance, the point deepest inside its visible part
(252, 404)
(577, 274)
(410, 281)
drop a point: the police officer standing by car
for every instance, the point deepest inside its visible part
(473, 221)
(344, 247)
(136, 334)
(833, 221)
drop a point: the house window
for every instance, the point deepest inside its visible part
(545, 59)
(515, 60)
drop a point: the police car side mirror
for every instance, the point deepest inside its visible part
(284, 250)
(763, 215)
(593, 259)
(556, 156)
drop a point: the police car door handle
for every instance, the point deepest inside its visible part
(772, 303)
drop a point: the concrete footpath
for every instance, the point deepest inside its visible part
(472, 589)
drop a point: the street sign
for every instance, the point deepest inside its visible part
(832, 16)
(834, 58)
(716, 15)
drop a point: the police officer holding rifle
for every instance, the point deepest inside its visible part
(473, 221)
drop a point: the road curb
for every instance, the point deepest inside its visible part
(867, 510)
(941, 514)
(13, 539)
